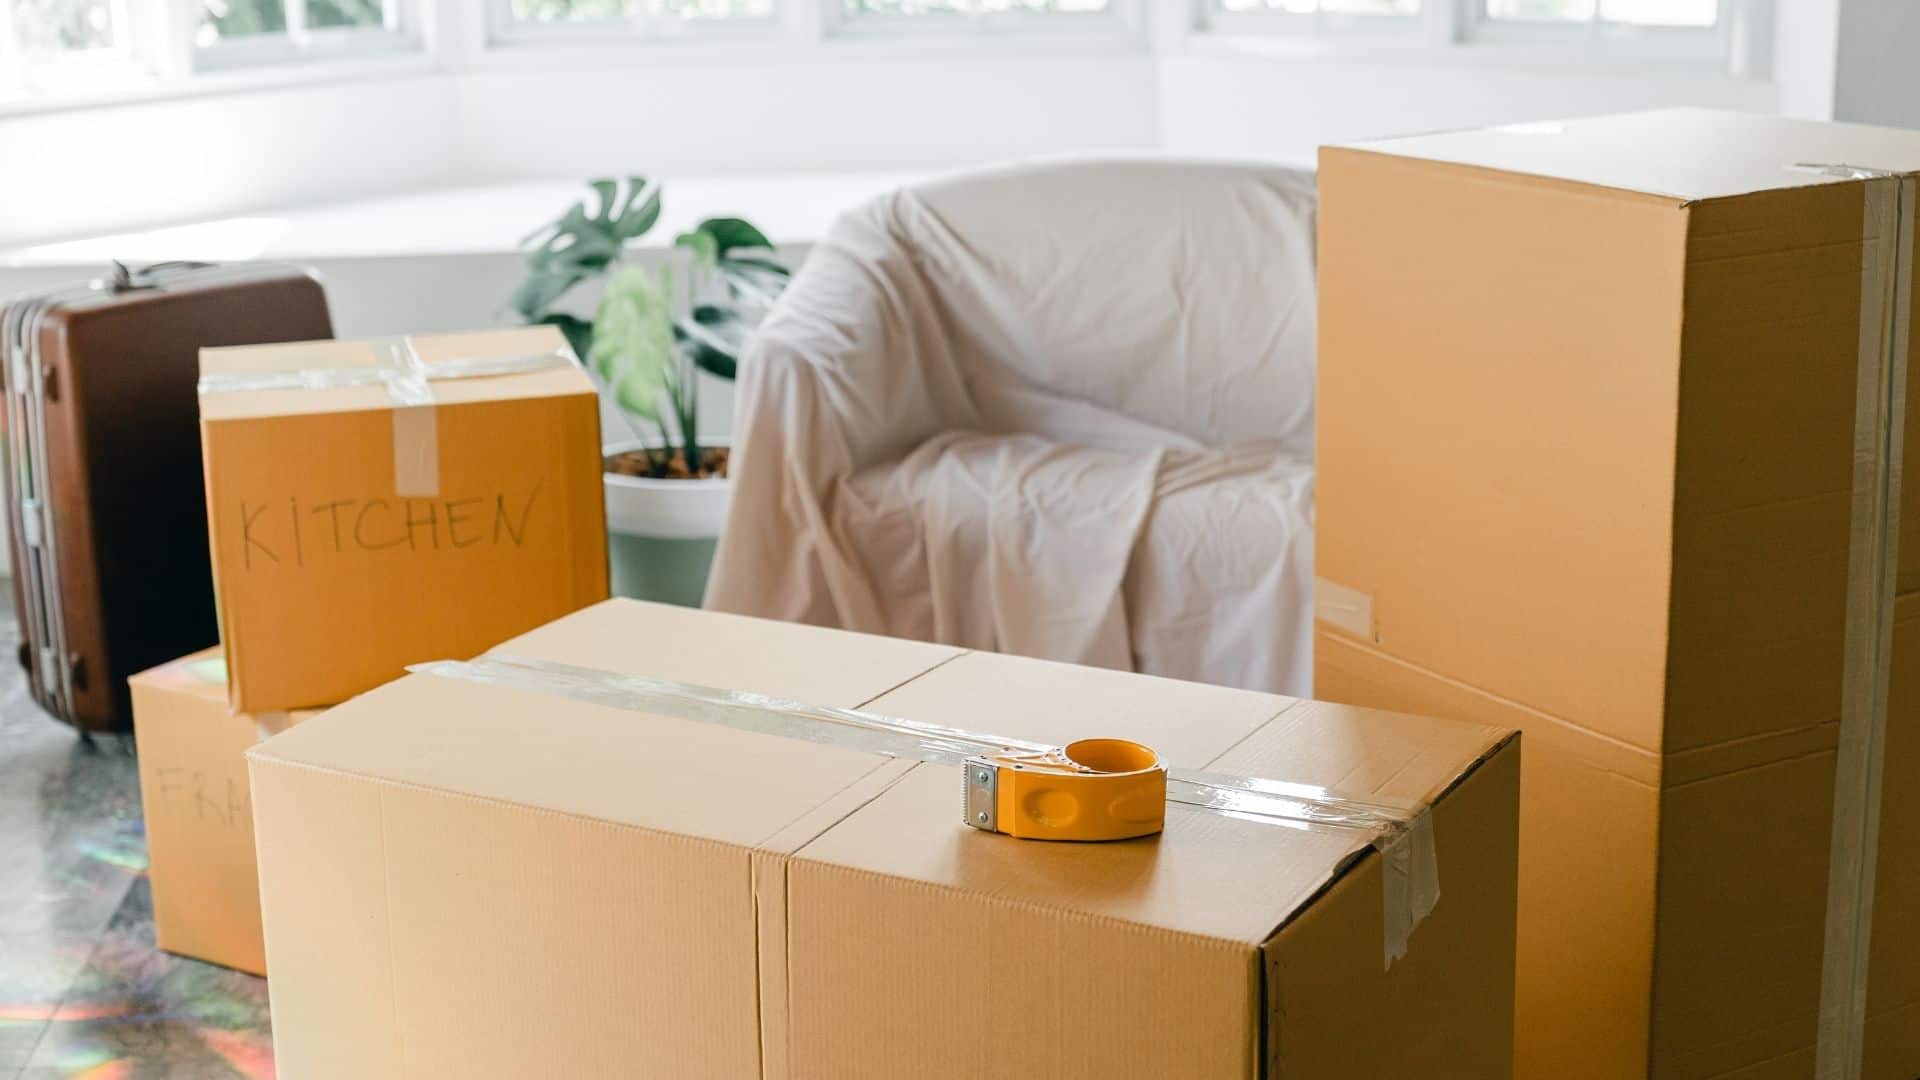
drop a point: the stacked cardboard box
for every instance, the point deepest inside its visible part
(1608, 418)
(464, 878)
(371, 504)
(199, 814)
(355, 531)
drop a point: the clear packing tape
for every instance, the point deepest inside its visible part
(409, 382)
(1889, 216)
(1401, 831)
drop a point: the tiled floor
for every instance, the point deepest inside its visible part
(83, 992)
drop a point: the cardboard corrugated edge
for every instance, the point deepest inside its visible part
(1892, 1040)
(589, 569)
(1723, 758)
(1475, 983)
(1361, 870)
(769, 863)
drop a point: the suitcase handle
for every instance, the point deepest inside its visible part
(126, 279)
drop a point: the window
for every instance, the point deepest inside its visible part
(1331, 7)
(1694, 13)
(1729, 33)
(598, 20)
(1638, 29)
(1316, 17)
(234, 33)
(57, 47)
(914, 17)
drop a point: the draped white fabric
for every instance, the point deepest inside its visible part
(1064, 411)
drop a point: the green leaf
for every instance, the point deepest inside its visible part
(731, 233)
(715, 363)
(759, 263)
(633, 339)
(582, 244)
(634, 220)
(715, 337)
(706, 250)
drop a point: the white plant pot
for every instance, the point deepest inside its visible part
(661, 534)
(665, 509)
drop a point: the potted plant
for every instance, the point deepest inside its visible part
(649, 343)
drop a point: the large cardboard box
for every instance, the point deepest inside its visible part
(370, 509)
(199, 815)
(463, 879)
(1587, 431)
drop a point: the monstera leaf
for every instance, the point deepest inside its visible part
(714, 337)
(633, 340)
(583, 243)
(717, 238)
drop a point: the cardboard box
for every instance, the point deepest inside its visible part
(193, 787)
(352, 536)
(1587, 400)
(584, 890)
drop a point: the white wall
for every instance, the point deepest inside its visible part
(1877, 77)
(1284, 108)
(558, 113)
(1806, 55)
(87, 171)
(109, 169)
(859, 114)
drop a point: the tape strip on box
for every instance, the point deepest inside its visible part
(1402, 831)
(1886, 289)
(409, 382)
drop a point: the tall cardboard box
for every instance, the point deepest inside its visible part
(477, 880)
(198, 810)
(1587, 433)
(376, 503)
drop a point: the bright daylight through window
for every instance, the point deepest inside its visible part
(565, 11)
(65, 49)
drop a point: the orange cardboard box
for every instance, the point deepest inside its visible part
(361, 521)
(1589, 401)
(590, 890)
(193, 786)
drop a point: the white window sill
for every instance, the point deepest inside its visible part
(793, 209)
(316, 70)
(1411, 50)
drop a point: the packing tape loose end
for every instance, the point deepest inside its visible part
(1410, 881)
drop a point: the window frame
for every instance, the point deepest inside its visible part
(403, 33)
(1121, 20)
(157, 56)
(1739, 43)
(501, 30)
(127, 62)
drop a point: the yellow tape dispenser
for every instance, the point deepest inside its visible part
(1094, 789)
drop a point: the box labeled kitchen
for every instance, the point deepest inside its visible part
(673, 895)
(1614, 419)
(375, 503)
(199, 813)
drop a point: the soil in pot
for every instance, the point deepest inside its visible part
(668, 464)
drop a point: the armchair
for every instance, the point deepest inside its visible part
(1063, 411)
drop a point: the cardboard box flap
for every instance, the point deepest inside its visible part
(732, 652)
(200, 675)
(1209, 873)
(1364, 752)
(529, 341)
(617, 765)
(1714, 153)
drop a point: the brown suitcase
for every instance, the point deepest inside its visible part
(106, 519)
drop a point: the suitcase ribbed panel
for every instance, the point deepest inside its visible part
(105, 511)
